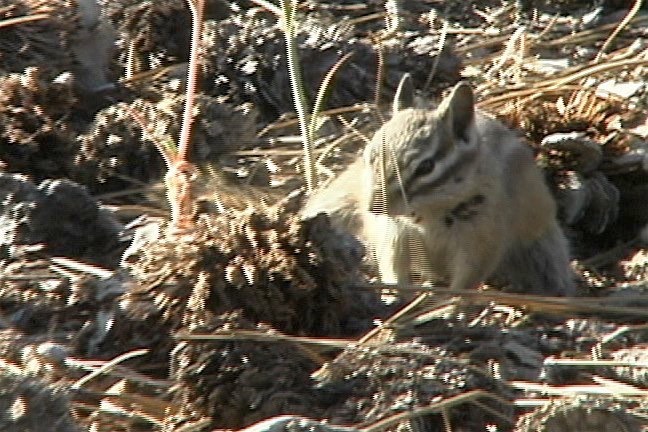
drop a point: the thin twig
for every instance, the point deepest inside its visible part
(546, 304)
(322, 92)
(535, 90)
(631, 14)
(289, 8)
(108, 366)
(268, 6)
(23, 19)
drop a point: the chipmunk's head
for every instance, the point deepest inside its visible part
(423, 158)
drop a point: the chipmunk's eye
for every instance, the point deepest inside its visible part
(425, 167)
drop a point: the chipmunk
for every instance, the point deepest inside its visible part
(451, 195)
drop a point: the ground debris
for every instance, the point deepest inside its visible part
(260, 315)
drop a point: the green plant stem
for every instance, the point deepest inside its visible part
(321, 94)
(289, 8)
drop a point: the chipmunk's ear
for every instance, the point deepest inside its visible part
(404, 97)
(458, 110)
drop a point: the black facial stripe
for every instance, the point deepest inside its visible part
(465, 210)
(449, 171)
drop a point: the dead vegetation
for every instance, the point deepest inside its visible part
(125, 328)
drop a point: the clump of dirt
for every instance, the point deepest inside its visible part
(120, 148)
(244, 58)
(581, 414)
(35, 134)
(60, 217)
(238, 382)
(380, 382)
(44, 42)
(30, 404)
(262, 270)
(144, 39)
(113, 154)
(294, 275)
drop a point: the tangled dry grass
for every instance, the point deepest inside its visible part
(114, 325)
